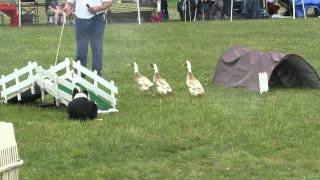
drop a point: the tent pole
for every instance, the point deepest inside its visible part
(19, 9)
(293, 9)
(304, 11)
(195, 13)
(138, 7)
(189, 11)
(202, 11)
(231, 10)
(185, 10)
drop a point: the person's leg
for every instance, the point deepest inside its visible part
(59, 16)
(82, 37)
(50, 14)
(56, 16)
(96, 42)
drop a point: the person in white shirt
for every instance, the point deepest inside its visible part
(89, 26)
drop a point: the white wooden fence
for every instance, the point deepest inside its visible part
(59, 81)
(19, 85)
(97, 88)
(51, 83)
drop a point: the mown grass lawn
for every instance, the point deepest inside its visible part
(226, 134)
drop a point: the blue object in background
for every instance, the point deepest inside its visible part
(307, 4)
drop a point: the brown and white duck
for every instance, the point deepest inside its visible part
(161, 84)
(143, 82)
(194, 85)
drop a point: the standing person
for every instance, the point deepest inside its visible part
(53, 8)
(164, 9)
(89, 26)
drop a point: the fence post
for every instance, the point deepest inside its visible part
(17, 83)
(4, 88)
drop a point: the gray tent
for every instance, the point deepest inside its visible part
(239, 67)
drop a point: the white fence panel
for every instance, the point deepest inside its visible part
(98, 81)
(20, 86)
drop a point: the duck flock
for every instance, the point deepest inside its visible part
(161, 85)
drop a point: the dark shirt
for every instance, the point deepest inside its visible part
(52, 3)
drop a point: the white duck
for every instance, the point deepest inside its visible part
(194, 85)
(143, 82)
(162, 86)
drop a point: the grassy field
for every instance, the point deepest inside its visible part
(226, 134)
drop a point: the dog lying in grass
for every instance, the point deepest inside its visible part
(81, 108)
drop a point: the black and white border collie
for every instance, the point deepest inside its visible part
(81, 108)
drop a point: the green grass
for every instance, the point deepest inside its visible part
(226, 134)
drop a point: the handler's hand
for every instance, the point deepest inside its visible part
(93, 9)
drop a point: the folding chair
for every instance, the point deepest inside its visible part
(30, 12)
(2, 17)
(9, 158)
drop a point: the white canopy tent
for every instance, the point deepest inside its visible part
(137, 2)
(293, 9)
(187, 8)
